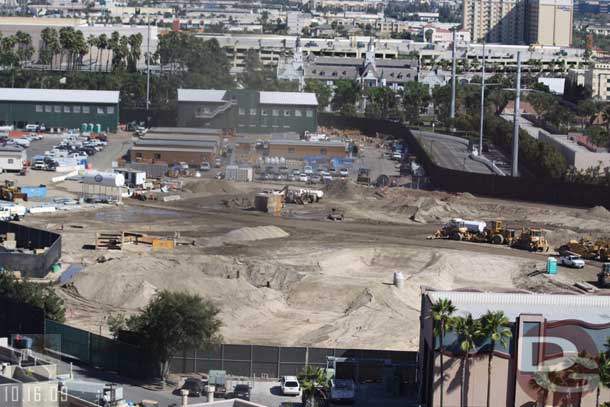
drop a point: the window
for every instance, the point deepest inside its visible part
(298, 113)
(157, 156)
(286, 113)
(309, 113)
(67, 109)
(75, 109)
(39, 108)
(138, 155)
(206, 109)
(263, 112)
(100, 110)
(252, 112)
(242, 111)
(57, 109)
(110, 110)
(10, 161)
(322, 151)
(85, 109)
(48, 108)
(291, 150)
(276, 112)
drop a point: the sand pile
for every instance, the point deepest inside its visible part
(248, 234)
(238, 203)
(340, 190)
(599, 212)
(211, 187)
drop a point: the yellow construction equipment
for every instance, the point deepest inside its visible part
(9, 192)
(588, 248)
(497, 233)
(532, 240)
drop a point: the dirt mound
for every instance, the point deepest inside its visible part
(249, 234)
(211, 187)
(238, 203)
(599, 212)
(340, 189)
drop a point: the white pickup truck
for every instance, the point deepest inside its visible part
(572, 260)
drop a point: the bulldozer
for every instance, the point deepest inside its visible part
(588, 249)
(532, 240)
(497, 233)
(363, 177)
(9, 192)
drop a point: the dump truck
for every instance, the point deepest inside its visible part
(588, 249)
(363, 176)
(532, 240)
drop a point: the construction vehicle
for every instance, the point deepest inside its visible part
(9, 192)
(588, 249)
(301, 196)
(335, 215)
(460, 229)
(603, 277)
(532, 240)
(363, 176)
(497, 233)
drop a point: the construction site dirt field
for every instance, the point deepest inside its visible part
(300, 279)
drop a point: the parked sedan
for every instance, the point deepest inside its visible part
(242, 391)
(315, 179)
(193, 386)
(304, 177)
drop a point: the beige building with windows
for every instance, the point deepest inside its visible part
(543, 22)
(597, 81)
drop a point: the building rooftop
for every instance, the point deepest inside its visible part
(554, 307)
(331, 143)
(58, 95)
(201, 95)
(183, 130)
(288, 98)
(156, 137)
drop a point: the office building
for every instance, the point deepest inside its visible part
(597, 81)
(542, 22)
(247, 110)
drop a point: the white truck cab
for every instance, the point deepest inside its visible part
(572, 260)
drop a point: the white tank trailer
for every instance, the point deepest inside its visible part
(105, 179)
(473, 226)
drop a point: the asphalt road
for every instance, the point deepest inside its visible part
(450, 154)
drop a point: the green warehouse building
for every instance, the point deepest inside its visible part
(61, 108)
(248, 111)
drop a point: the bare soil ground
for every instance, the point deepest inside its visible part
(300, 279)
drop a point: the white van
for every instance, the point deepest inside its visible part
(32, 127)
(290, 386)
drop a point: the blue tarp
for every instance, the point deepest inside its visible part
(66, 275)
(40, 191)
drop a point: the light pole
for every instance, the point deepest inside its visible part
(482, 103)
(452, 111)
(515, 166)
(148, 64)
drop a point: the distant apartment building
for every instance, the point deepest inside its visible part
(544, 22)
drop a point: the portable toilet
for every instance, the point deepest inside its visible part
(90, 127)
(83, 127)
(98, 128)
(551, 265)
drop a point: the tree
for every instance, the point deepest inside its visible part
(102, 44)
(428, 35)
(347, 94)
(441, 314)
(415, 96)
(382, 103)
(34, 294)
(116, 322)
(135, 51)
(25, 50)
(323, 92)
(603, 364)
(468, 331)
(174, 322)
(311, 380)
(494, 328)
(91, 42)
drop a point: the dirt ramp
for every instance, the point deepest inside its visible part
(249, 234)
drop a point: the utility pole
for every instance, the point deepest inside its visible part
(148, 65)
(452, 111)
(515, 168)
(482, 103)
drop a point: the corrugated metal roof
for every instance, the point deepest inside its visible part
(288, 98)
(554, 307)
(59, 95)
(183, 130)
(309, 143)
(196, 143)
(182, 137)
(172, 149)
(201, 95)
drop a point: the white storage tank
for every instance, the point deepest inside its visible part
(106, 179)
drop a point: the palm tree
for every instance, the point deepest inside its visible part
(92, 42)
(541, 383)
(468, 331)
(441, 313)
(604, 374)
(102, 44)
(494, 327)
(311, 379)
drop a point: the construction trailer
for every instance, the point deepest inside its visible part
(12, 158)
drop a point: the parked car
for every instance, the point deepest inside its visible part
(242, 391)
(303, 177)
(342, 391)
(572, 260)
(205, 166)
(218, 163)
(290, 386)
(315, 179)
(194, 386)
(397, 156)
(308, 170)
(344, 172)
(32, 127)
